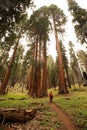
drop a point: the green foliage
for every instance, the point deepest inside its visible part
(16, 70)
(39, 23)
(64, 56)
(79, 19)
(52, 72)
(82, 57)
(59, 17)
(11, 13)
(27, 61)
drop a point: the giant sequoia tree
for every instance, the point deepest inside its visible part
(38, 32)
(80, 20)
(59, 20)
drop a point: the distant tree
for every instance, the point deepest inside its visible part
(82, 57)
(74, 65)
(79, 19)
(16, 69)
(52, 72)
(27, 61)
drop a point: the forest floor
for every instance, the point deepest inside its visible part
(67, 123)
(35, 124)
(67, 112)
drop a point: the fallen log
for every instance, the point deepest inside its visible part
(1, 99)
(16, 115)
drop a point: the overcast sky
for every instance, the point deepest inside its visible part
(70, 35)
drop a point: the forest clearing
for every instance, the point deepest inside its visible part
(74, 105)
(43, 65)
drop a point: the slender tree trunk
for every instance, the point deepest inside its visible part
(73, 78)
(76, 75)
(30, 80)
(62, 85)
(80, 77)
(77, 71)
(7, 75)
(69, 84)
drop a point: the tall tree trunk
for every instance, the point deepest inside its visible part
(36, 71)
(33, 82)
(39, 89)
(44, 82)
(7, 75)
(62, 85)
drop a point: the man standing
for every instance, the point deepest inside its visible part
(51, 97)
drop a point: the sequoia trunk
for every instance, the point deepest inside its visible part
(62, 84)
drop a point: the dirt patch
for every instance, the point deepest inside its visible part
(65, 119)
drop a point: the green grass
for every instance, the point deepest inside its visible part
(28, 102)
(46, 118)
(49, 118)
(74, 104)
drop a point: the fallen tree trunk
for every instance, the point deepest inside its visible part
(16, 115)
(1, 99)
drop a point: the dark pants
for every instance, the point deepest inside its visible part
(51, 99)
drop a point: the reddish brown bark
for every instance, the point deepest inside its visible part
(33, 73)
(62, 84)
(44, 81)
(38, 81)
(39, 88)
(7, 75)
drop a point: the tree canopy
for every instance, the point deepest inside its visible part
(11, 12)
(79, 19)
